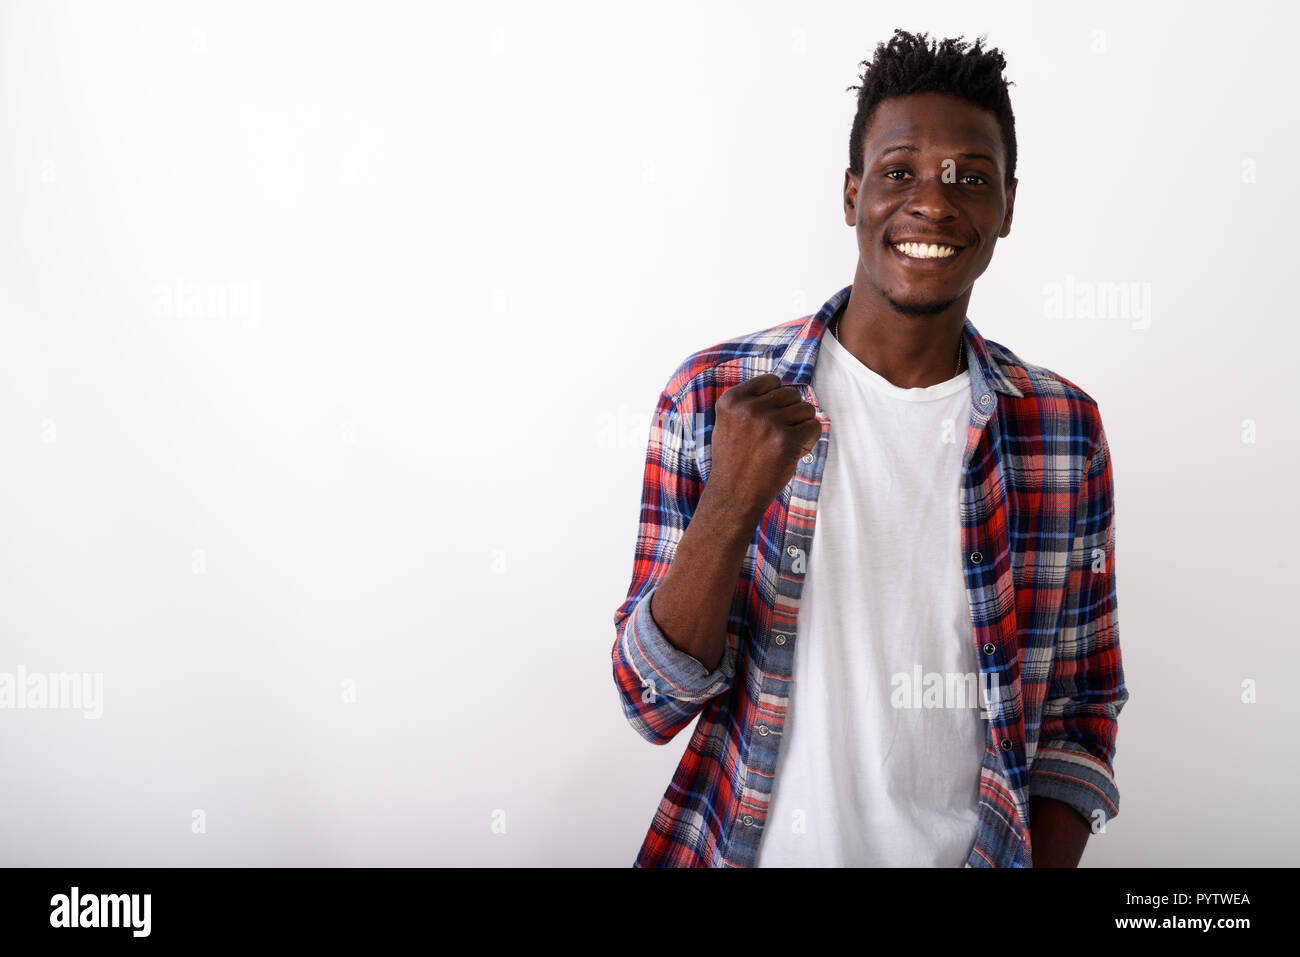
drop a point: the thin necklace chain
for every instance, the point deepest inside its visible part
(835, 331)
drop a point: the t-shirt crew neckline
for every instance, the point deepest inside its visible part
(841, 356)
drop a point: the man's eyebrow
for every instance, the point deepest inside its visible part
(909, 148)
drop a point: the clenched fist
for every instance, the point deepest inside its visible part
(761, 429)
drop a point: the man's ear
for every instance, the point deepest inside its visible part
(851, 184)
(1011, 205)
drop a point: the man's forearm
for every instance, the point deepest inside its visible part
(1057, 833)
(691, 604)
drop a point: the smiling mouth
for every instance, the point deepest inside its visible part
(924, 251)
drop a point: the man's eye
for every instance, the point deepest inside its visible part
(897, 174)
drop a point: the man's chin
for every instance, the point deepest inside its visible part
(919, 307)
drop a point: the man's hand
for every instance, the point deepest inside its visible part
(762, 428)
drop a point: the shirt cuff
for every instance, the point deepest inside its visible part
(1072, 776)
(672, 671)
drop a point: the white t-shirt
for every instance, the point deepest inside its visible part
(885, 621)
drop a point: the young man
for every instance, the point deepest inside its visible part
(934, 677)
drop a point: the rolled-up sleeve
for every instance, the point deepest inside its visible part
(653, 656)
(1076, 747)
(661, 687)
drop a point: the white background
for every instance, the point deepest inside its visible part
(331, 334)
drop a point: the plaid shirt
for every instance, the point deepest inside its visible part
(1038, 552)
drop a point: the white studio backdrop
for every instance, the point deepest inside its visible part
(329, 339)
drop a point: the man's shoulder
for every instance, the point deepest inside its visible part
(1035, 381)
(1044, 390)
(706, 372)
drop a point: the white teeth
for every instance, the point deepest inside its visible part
(923, 251)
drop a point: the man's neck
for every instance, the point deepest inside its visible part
(909, 351)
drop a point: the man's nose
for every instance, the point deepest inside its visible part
(932, 199)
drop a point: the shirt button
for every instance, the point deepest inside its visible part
(792, 551)
(1006, 744)
(807, 458)
(780, 639)
(985, 399)
(976, 558)
(747, 820)
(989, 648)
(762, 730)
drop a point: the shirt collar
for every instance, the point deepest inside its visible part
(796, 362)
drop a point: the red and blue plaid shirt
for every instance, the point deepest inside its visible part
(1038, 550)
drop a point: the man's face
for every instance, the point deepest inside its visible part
(933, 171)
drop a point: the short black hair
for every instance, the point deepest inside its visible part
(908, 64)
